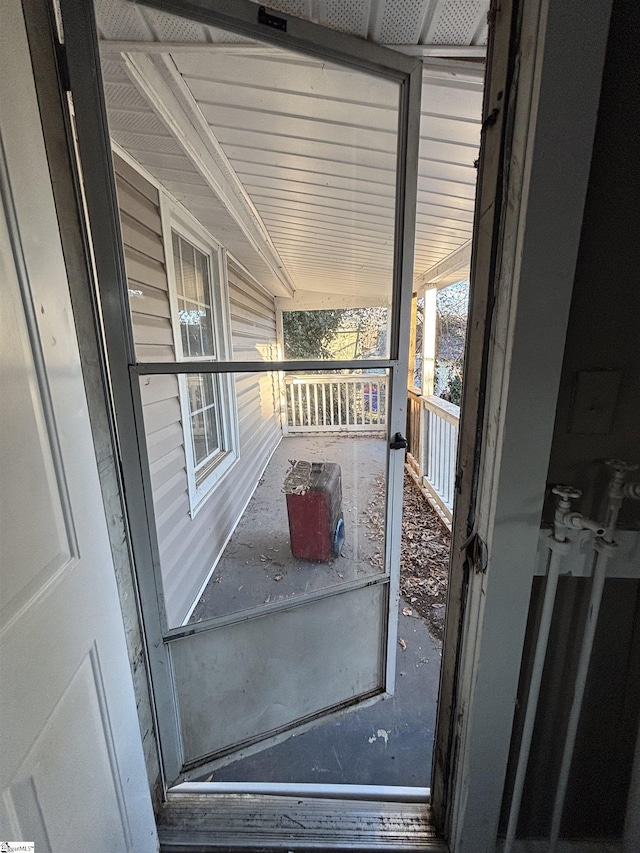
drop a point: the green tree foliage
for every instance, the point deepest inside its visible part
(451, 307)
(341, 333)
(307, 334)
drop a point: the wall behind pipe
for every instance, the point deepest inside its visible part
(604, 323)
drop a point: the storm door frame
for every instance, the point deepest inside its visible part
(83, 64)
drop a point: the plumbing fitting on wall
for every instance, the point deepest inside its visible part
(577, 521)
(604, 549)
(559, 546)
(565, 495)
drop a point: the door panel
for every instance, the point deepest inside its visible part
(276, 670)
(72, 774)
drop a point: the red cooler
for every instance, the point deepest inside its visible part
(314, 504)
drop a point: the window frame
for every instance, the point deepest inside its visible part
(177, 219)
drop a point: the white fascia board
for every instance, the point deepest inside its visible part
(162, 85)
(453, 268)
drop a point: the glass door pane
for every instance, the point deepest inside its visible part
(291, 500)
(286, 161)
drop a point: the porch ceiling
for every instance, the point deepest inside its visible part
(294, 160)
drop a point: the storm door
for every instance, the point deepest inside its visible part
(253, 247)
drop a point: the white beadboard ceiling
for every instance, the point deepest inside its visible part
(289, 161)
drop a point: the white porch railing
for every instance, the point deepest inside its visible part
(432, 436)
(336, 403)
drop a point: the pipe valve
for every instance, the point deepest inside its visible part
(577, 521)
(632, 490)
(563, 505)
(566, 494)
(572, 520)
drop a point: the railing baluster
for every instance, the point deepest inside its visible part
(331, 403)
(315, 403)
(441, 454)
(434, 470)
(324, 404)
(448, 465)
(307, 389)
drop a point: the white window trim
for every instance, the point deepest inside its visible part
(176, 218)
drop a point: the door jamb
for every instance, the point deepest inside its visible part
(556, 84)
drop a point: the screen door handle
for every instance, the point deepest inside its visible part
(398, 442)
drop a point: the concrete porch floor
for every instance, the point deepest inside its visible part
(387, 743)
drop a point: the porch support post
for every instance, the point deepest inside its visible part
(282, 388)
(412, 341)
(429, 343)
(553, 107)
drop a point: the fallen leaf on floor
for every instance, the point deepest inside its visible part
(267, 599)
(402, 644)
(263, 559)
(278, 578)
(209, 778)
(240, 587)
(407, 611)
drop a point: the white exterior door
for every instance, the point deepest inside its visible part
(72, 772)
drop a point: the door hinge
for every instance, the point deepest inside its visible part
(477, 553)
(63, 67)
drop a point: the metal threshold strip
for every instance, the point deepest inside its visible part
(371, 793)
(318, 818)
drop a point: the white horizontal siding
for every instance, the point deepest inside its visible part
(189, 547)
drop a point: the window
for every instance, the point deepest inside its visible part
(197, 285)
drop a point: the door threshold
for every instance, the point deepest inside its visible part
(371, 793)
(219, 822)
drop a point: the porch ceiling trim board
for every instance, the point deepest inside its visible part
(161, 84)
(311, 300)
(453, 268)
